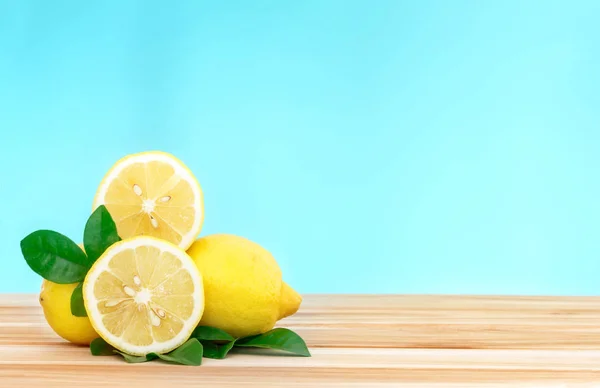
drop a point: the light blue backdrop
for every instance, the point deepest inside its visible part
(372, 146)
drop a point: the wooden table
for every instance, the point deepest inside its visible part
(356, 341)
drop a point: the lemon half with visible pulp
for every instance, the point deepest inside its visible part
(155, 194)
(144, 295)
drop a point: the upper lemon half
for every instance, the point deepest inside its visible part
(154, 194)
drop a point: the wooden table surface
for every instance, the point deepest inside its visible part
(356, 341)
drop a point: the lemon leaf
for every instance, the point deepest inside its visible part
(100, 233)
(204, 333)
(278, 339)
(55, 257)
(136, 359)
(216, 342)
(190, 353)
(99, 347)
(77, 305)
(215, 350)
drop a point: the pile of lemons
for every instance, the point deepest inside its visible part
(147, 292)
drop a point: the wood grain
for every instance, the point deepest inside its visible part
(356, 341)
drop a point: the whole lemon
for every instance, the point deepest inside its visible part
(244, 292)
(56, 304)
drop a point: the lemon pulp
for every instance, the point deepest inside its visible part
(155, 194)
(144, 295)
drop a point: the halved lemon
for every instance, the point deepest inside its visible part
(144, 295)
(154, 194)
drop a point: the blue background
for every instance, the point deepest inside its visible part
(372, 146)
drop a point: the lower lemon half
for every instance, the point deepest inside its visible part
(144, 295)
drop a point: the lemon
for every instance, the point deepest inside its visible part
(155, 194)
(144, 295)
(55, 300)
(244, 292)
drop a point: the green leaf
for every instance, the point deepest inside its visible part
(77, 305)
(55, 257)
(100, 233)
(215, 350)
(137, 359)
(279, 339)
(190, 353)
(216, 342)
(207, 333)
(99, 347)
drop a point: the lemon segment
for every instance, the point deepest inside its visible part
(155, 194)
(144, 295)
